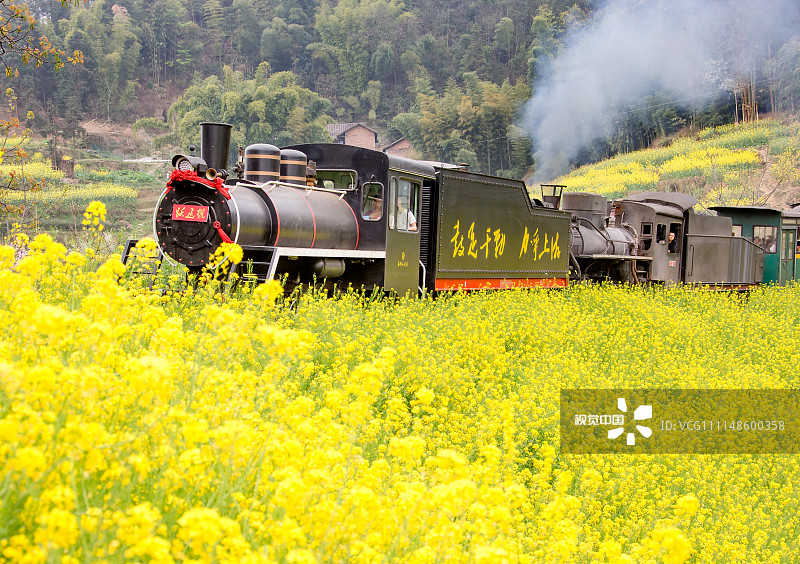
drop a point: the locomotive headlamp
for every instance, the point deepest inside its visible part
(186, 162)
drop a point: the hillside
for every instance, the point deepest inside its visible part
(748, 164)
(487, 83)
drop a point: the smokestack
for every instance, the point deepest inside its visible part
(215, 143)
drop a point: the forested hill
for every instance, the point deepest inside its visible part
(449, 75)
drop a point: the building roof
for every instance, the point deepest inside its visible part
(337, 129)
(393, 143)
(674, 199)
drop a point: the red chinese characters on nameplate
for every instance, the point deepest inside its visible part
(190, 213)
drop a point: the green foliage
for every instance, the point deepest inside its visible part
(787, 69)
(472, 124)
(544, 43)
(151, 125)
(365, 59)
(129, 177)
(277, 111)
(163, 141)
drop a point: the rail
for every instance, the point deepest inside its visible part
(424, 277)
(270, 185)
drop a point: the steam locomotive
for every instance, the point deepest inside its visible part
(342, 215)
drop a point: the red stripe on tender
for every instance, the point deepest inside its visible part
(498, 283)
(358, 231)
(313, 220)
(278, 217)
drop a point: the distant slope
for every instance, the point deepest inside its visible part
(754, 163)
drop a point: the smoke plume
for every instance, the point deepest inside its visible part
(633, 47)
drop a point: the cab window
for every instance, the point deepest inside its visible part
(661, 233)
(647, 235)
(372, 201)
(336, 179)
(406, 204)
(674, 238)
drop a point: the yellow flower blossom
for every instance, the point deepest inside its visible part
(167, 425)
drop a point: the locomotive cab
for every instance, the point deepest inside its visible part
(602, 250)
(659, 219)
(386, 192)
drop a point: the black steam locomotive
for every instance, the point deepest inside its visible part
(349, 215)
(657, 237)
(343, 215)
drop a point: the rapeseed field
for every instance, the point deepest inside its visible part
(718, 165)
(213, 425)
(34, 188)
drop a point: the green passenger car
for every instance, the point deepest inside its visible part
(775, 231)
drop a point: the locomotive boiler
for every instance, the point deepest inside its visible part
(199, 209)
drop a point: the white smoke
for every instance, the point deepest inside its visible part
(635, 46)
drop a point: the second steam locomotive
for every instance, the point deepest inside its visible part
(352, 216)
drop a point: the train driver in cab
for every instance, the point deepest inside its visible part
(405, 217)
(376, 209)
(673, 246)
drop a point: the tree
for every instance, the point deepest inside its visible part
(275, 45)
(432, 53)
(18, 47)
(214, 19)
(171, 38)
(382, 60)
(470, 124)
(544, 43)
(372, 95)
(115, 72)
(247, 34)
(475, 52)
(362, 39)
(18, 44)
(272, 110)
(787, 70)
(504, 38)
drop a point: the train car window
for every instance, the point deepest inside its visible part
(661, 233)
(787, 243)
(736, 231)
(407, 205)
(372, 201)
(647, 235)
(336, 179)
(797, 247)
(392, 197)
(765, 236)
